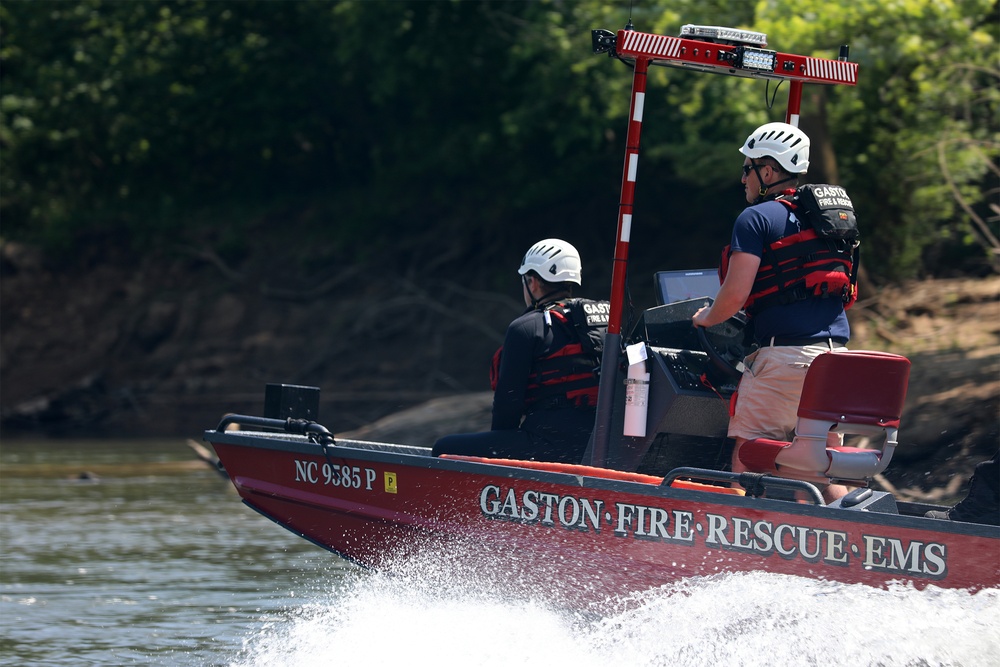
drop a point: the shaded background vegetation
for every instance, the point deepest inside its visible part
(476, 125)
(333, 164)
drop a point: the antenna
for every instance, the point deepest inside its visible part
(629, 26)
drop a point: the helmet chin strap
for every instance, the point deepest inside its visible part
(764, 187)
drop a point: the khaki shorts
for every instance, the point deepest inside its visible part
(769, 391)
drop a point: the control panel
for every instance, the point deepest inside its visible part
(693, 371)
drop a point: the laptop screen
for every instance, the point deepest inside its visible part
(674, 286)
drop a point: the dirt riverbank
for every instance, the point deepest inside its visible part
(167, 345)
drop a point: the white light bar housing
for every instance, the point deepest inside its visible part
(718, 34)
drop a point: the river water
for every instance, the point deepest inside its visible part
(153, 560)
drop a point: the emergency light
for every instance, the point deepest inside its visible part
(744, 57)
(714, 33)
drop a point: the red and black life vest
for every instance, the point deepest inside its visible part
(569, 376)
(813, 263)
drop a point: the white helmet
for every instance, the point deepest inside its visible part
(554, 260)
(785, 143)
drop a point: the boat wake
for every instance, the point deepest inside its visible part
(430, 613)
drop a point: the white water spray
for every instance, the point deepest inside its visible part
(426, 612)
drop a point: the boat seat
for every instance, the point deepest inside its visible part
(853, 392)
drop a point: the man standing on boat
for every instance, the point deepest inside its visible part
(546, 371)
(789, 332)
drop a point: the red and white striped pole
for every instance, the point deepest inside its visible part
(612, 343)
(794, 103)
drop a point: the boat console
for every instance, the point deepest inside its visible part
(692, 379)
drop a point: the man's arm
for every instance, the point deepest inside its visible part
(733, 293)
(512, 383)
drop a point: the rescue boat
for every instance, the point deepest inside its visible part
(640, 510)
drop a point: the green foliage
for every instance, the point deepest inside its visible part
(356, 124)
(922, 124)
(125, 114)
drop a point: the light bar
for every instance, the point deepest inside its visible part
(741, 60)
(759, 60)
(716, 33)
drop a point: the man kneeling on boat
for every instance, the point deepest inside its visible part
(544, 377)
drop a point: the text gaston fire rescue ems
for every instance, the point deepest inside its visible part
(762, 537)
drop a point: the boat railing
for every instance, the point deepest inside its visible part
(313, 430)
(756, 484)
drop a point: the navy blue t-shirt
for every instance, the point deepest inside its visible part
(756, 228)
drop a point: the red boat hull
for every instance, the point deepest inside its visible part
(579, 535)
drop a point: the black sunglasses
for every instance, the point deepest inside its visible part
(747, 168)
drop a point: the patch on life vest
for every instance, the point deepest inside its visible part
(596, 313)
(827, 209)
(591, 321)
